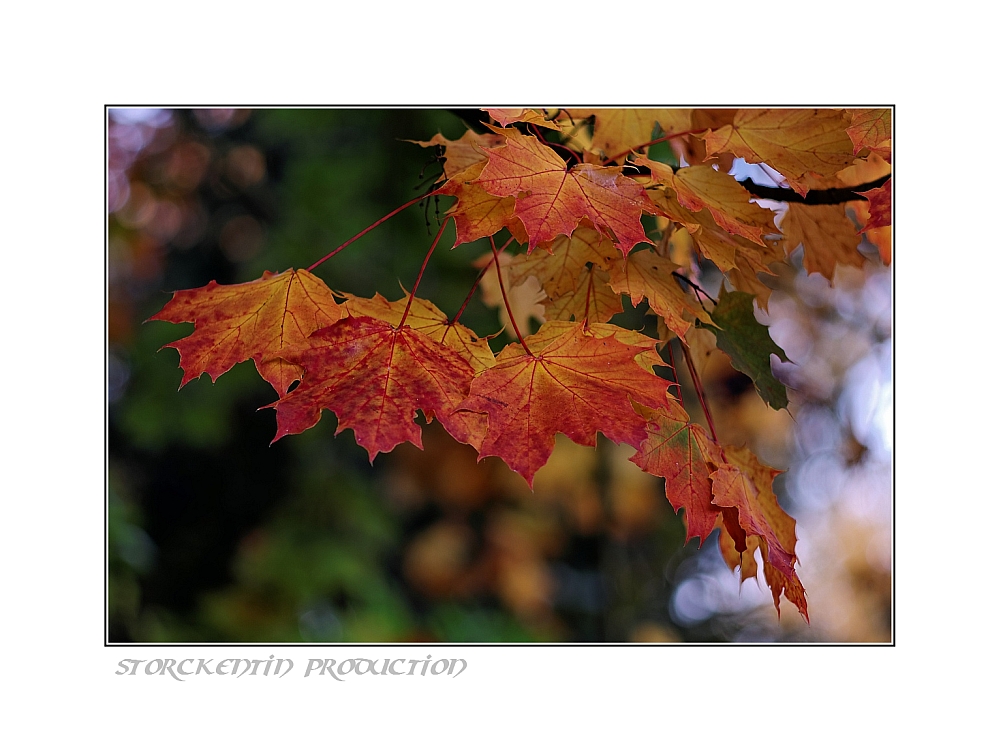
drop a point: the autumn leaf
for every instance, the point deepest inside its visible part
(644, 275)
(879, 206)
(795, 142)
(715, 243)
(466, 151)
(746, 277)
(558, 264)
(685, 456)
(871, 129)
(591, 300)
(507, 116)
(866, 170)
(727, 201)
(748, 344)
(555, 330)
(702, 348)
(254, 320)
(780, 583)
(692, 150)
(771, 516)
(722, 248)
(618, 131)
(427, 318)
(647, 358)
(881, 237)
(827, 237)
(375, 377)
(571, 383)
(681, 247)
(744, 483)
(744, 560)
(478, 213)
(551, 200)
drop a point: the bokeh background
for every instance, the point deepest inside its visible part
(215, 536)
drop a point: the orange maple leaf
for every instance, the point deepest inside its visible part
(882, 239)
(647, 359)
(646, 275)
(551, 200)
(871, 129)
(780, 583)
(746, 277)
(572, 383)
(479, 213)
(794, 142)
(745, 485)
(827, 237)
(617, 131)
(466, 151)
(558, 268)
(375, 377)
(726, 200)
(739, 258)
(522, 115)
(685, 456)
(254, 320)
(735, 558)
(720, 245)
(592, 299)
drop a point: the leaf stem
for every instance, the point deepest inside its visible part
(699, 390)
(420, 276)
(553, 144)
(568, 150)
(368, 229)
(586, 305)
(670, 356)
(503, 293)
(475, 284)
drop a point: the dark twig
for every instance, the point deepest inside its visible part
(827, 197)
(694, 286)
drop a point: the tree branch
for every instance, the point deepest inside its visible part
(814, 197)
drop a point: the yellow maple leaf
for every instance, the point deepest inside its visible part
(795, 142)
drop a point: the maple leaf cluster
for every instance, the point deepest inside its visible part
(573, 187)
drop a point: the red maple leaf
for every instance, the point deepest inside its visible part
(685, 456)
(879, 206)
(573, 383)
(375, 377)
(552, 201)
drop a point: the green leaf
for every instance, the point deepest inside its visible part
(748, 344)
